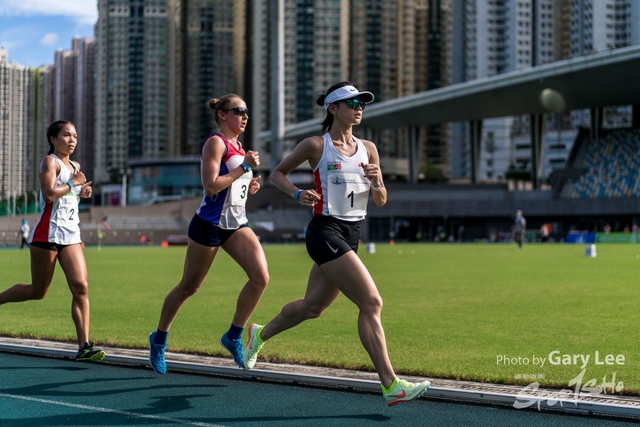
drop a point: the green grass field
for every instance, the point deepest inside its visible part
(451, 311)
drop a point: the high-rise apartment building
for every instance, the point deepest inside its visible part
(259, 72)
(497, 36)
(316, 56)
(392, 48)
(494, 37)
(85, 117)
(398, 48)
(598, 25)
(131, 84)
(158, 63)
(65, 63)
(74, 95)
(207, 56)
(316, 53)
(44, 116)
(17, 129)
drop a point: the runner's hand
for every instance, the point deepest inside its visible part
(252, 158)
(255, 185)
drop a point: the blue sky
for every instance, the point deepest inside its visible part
(32, 30)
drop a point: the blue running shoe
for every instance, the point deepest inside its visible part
(235, 348)
(156, 355)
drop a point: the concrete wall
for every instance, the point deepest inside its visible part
(482, 202)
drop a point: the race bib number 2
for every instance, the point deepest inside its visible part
(348, 194)
(67, 211)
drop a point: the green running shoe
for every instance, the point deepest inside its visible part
(90, 354)
(253, 346)
(404, 391)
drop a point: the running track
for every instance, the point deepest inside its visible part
(39, 391)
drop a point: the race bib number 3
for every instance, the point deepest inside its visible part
(348, 194)
(239, 191)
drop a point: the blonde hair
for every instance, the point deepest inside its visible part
(219, 104)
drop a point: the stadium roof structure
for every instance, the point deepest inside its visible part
(592, 81)
(596, 80)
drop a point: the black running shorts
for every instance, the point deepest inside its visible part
(55, 247)
(329, 238)
(207, 234)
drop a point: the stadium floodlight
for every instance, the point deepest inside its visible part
(552, 101)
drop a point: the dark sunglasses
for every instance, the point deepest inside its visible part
(354, 103)
(238, 111)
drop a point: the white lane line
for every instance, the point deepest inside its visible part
(111, 411)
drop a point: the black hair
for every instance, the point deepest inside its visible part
(54, 130)
(219, 104)
(328, 120)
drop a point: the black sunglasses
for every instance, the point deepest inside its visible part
(354, 103)
(238, 111)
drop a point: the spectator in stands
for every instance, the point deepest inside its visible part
(220, 221)
(626, 229)
(607, 229)
(519, 228)
(346, 171)
(24, 233)
(56, 235)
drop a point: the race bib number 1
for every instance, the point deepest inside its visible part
(348, 194)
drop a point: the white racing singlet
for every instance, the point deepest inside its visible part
(59, 222)
(341, 184)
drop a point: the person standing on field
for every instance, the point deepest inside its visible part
(346, 170)
(24, 233)
(220, 221)
(519, 227)
(56, 235)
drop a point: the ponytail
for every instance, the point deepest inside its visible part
(327, 123)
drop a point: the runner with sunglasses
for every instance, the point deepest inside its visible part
(346, 170)
(220, 221)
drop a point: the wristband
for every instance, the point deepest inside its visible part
(70, 184)
(377, 188)
(297, 195)
(246, 167)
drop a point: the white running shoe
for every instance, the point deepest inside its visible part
(253, 346)
(404, 391)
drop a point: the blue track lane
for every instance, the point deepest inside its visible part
(37, 391)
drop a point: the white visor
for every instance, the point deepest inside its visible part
(347, 92)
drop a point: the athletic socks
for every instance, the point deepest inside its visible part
(160, 337)
(234, 332)
(393, 384)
